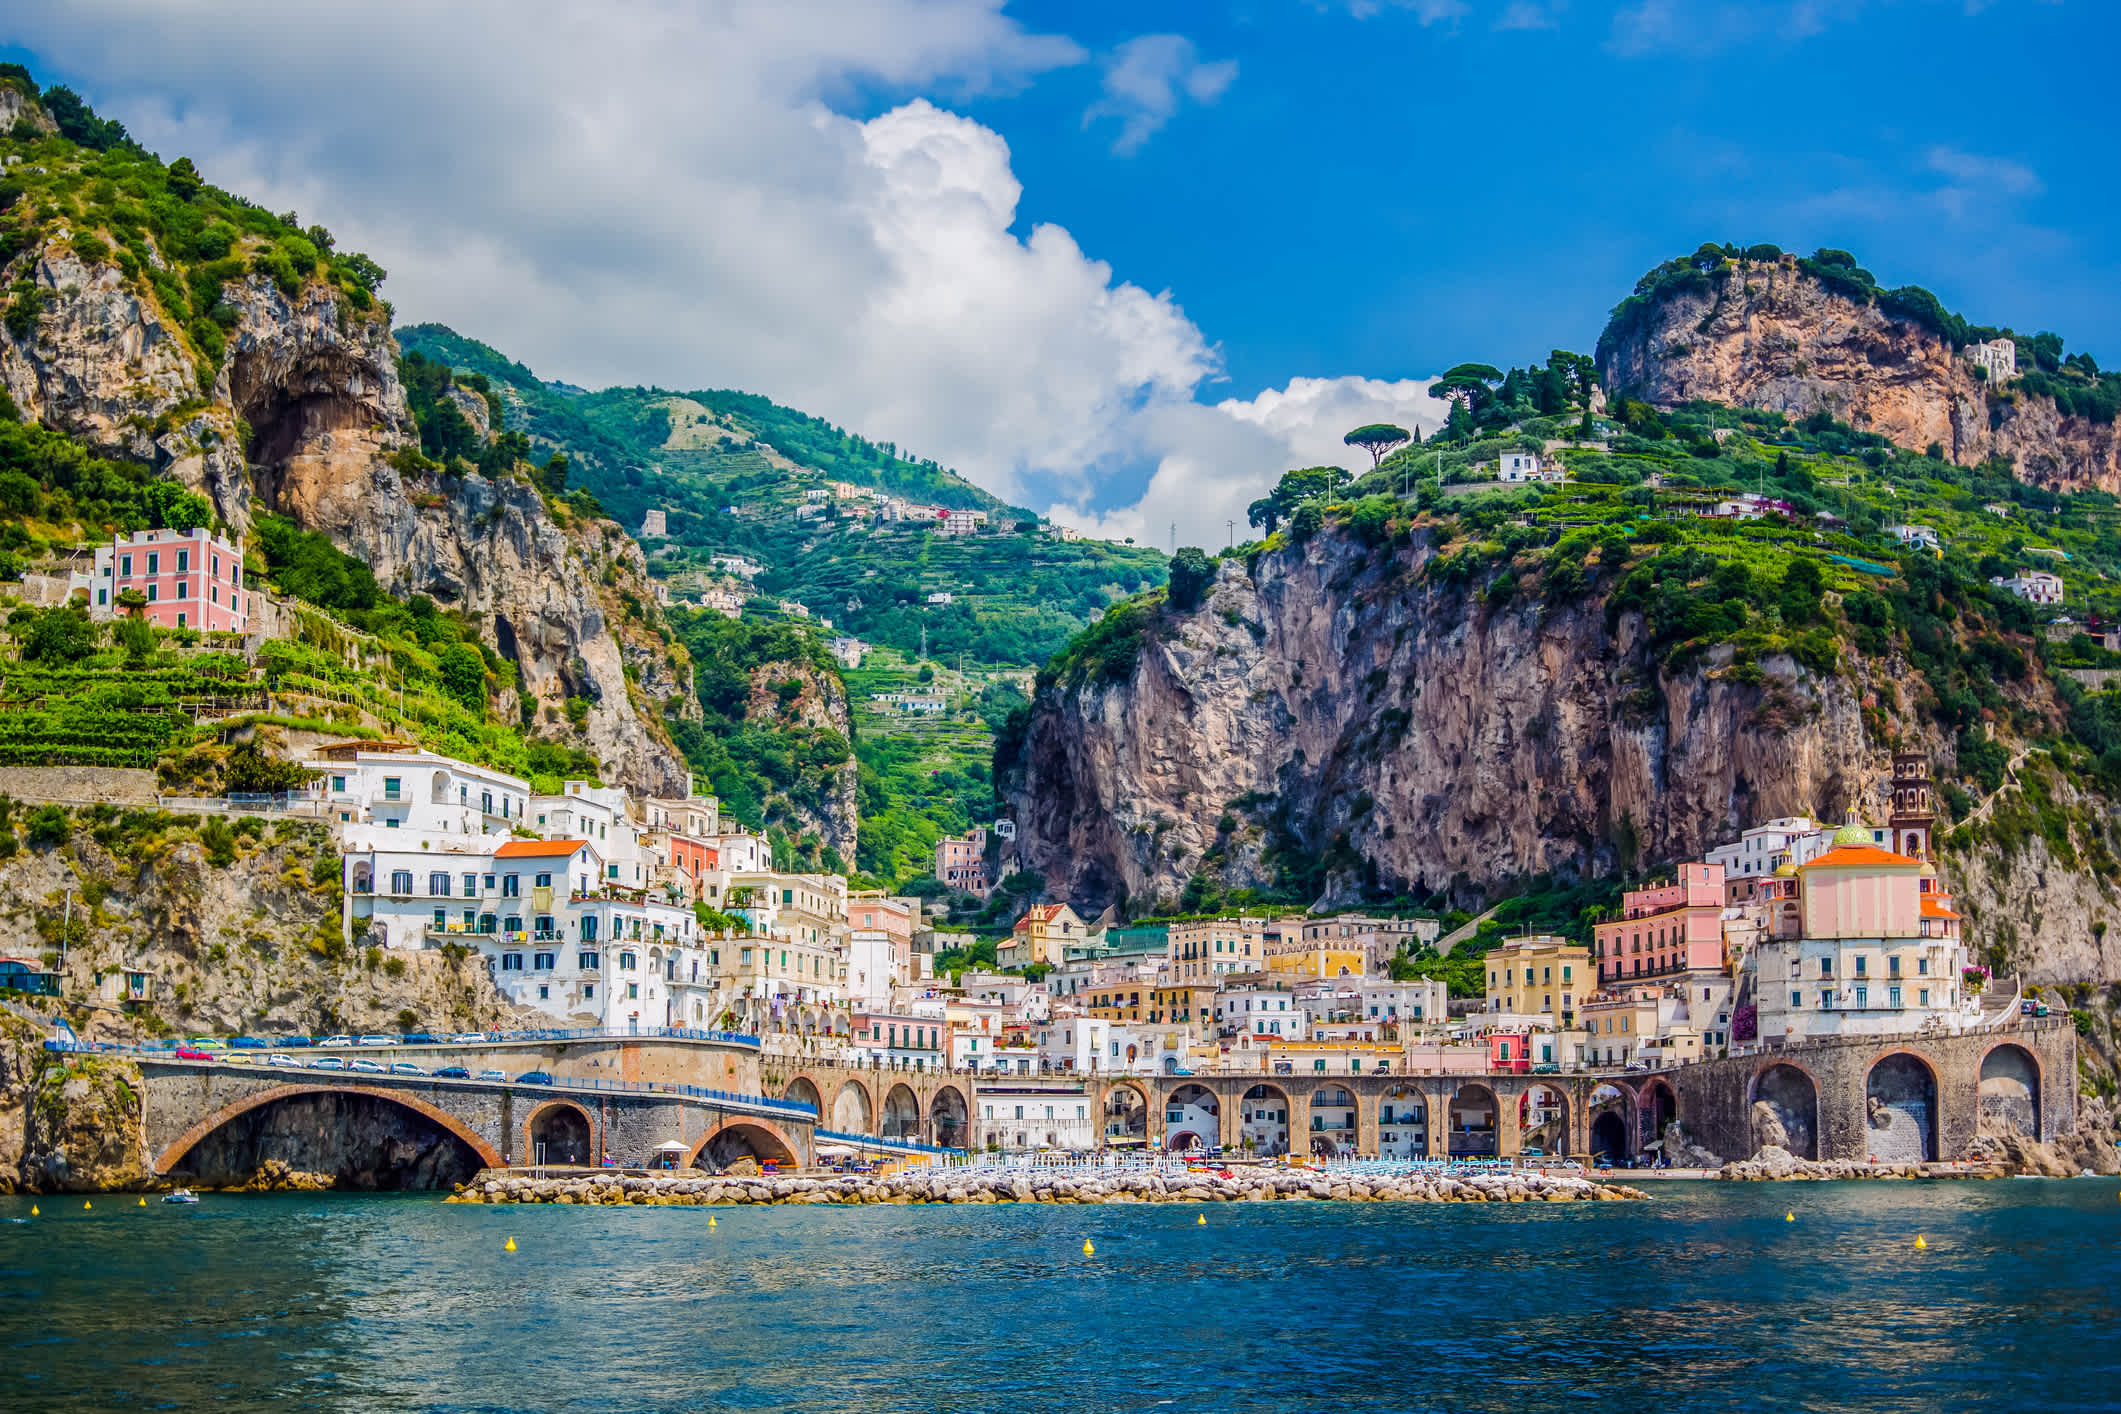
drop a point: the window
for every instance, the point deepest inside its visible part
(1922, 966)
(154, 564)
(1892, 996)
(125, 566)
(154, 592)
(511, 885)
(542, 963)
(401, 882)
(471, 886)
(441, 920)
(1826, 1000)
(544, 992)
(511, 962)
(390, 787)
(589, 991)
(1923, 996)
(338, 785)
(587, 961)
(183, 563)
(543, 881)
(627, 962)
(438, 884)
(1861, 960)
(633, 991)
(184, 589)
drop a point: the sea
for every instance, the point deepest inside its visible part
(1709, 1296)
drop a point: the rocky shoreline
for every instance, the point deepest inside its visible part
(1039, 1186)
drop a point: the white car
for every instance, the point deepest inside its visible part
(406, 1068)
(377, 1041)
(364, 1064)
(493, 1075)
(469, 1038)
(336, 1041)
(279, 1058)
(327, 1063)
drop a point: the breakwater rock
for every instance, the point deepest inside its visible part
(1775, 1162)
(1041, 1186)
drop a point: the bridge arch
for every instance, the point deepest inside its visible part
(803, 1090)
(902, 1114)
(1475, 1122)
(950, 1115)
(742, 1137)
(566, 1129)
(853, 1112)
(1335, 1120)
(1900, 1101)
(1543, 1120)
(1658, 1106)
(1264, 1116)
(1783, 1102)
(184, 1143)
(1611, 1134)
(1402, 1123)
(1126, 1113)
(1192, 1117)
(2009, 1091)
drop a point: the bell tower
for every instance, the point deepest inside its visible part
(1913, 814)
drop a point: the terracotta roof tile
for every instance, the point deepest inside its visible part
(538, 849)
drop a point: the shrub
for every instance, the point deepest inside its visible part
(49, 827)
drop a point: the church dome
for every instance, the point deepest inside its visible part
(1929, 870)
(1785, 871)
(1854, 832)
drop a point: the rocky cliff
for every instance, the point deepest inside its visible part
(1768, 334)
(810, 703)
(301, 416)
(1328, 709)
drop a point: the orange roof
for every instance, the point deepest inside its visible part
(1862, 856)
(1043, 912)
(1931, 908)
(537, 849)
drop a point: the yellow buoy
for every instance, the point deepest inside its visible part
(1920, 1245)
(85, 1204)
(710, 1220)
(509, 1246)
(1203, 1219)
(143, 1202)
(33, 1210)
(1789, 1217)
(1088, 1250)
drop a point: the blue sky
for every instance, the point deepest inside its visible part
(1386, 196)
(1122, 262)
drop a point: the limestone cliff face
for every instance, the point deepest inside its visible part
(1768, 335)
(300, 418)
(1412, 738)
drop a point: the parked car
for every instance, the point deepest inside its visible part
(419, 1038)
(248, 1043)
(452, 1072)
(328, 1063)
(336, 1041)
(1636, 1065)
(493, 1075)
(2025, 1007)
(1535, 1153)
(206, 1043)
(365, 1065)
(469, 1038)
(277, 1059)
(1546, 1070)
(534, 1077)
(193, 1053)
(406, 1068)
(235, 1058)
(377, 1041)
(292, 1041)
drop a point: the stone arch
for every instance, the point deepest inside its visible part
(1336, 1120)
(1475, 1122)
(2010, 1091)
(803, 1090)
(1402, 1123)
(1783, 1100)
(183, 1144)
(741, 1137)
(1192, 1117)
(566, 1129)
(902, 1114)
(853, 1112)
(1900, 1103)
(1611, 1134)
(950, 1116)
(1658, 1107)
(1126, 1114)
(1265, 1119)
(1543, 1120)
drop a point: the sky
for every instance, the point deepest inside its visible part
(1124, 263)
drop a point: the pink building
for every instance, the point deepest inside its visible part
(1860, 891)
(1673, 927)
(192, 579)
(962, 863)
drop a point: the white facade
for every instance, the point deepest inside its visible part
(2035, 586)
(1763, 849)
(1998, 358)
(1808, 987)
(420, 791)
(1519, 466)
(600, 815)
(1260, 1009)
(1922, 535)
(1025, 1118)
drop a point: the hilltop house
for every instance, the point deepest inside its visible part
(2034, 586)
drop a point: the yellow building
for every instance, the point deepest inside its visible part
(1317, 960)
(1043, 935)
(1542, 976)
(1188, 1006)
(1204, 949)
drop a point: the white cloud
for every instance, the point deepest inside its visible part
(1527, 14)
(1220, 459)
(1699, 27)
(1975, 172)
(1147, 78)
(1428, 12)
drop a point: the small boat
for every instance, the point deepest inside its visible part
(180, 1195)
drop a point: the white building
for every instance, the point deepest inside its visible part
(1922, 535)
(1253, 1005)
(403, 787)
(1029, 1117)
(602, 815)
(2034, 586)
(1760, 851)
(1998, 358)
(655, 525)
(1519, 466)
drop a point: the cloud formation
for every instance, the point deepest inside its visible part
(1145, 81)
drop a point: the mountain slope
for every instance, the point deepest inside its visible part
(164, 322)
(1762, 328)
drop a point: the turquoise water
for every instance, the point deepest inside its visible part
(1704, 1298)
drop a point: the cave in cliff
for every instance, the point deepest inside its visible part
(289, 408)
(358, 1142)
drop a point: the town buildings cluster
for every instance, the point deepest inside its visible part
(601, 911)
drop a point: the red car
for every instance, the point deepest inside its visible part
(186, 1053)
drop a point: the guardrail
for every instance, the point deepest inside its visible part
(459, 1041)
(875, 1142)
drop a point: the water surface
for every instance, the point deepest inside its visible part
(1706, 1298)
